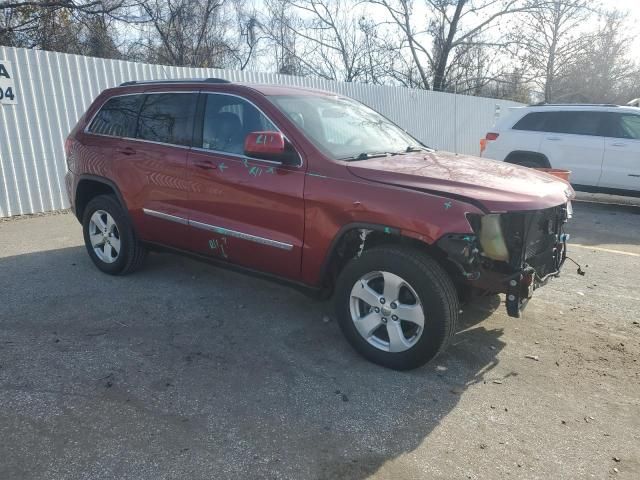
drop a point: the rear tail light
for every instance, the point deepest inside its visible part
(488, 137)
(68, 146)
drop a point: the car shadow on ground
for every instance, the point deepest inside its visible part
(185, 370)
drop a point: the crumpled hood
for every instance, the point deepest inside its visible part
(498, 186)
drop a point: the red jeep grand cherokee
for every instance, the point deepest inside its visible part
(319, 190)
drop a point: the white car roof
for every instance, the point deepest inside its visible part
(576, 107)
(514, 114)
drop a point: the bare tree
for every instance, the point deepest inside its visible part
(331, 38)
(55, 24)
(450, 28)
(552, 39)
(602, 71)
(279, 27)
(200, 33)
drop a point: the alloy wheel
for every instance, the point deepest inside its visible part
(104, 236)
(386, 311)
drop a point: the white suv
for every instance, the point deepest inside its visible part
(600, 144)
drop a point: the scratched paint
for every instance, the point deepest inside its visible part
(219, 246)
(255, 171)
(447, 205)
(222, 167)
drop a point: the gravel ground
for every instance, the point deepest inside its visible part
(188, 371)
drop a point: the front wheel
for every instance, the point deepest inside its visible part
(396, 306)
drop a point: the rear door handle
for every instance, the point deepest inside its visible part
(618, 144)
(127, 151)
(554, 139)
(634, 175)
(206, 165)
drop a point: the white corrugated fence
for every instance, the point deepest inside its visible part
(53, 90)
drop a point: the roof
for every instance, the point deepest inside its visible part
(564, 107)
(265, 89)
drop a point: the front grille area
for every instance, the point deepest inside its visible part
(532, 239)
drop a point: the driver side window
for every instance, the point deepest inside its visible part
(227, 122)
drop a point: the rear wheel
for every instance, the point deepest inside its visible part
(109, 237)
(528, 160)
(396, 306)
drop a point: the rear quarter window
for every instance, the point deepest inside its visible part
(117, 117)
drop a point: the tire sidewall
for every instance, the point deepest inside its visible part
(113, 208)
(436, 327)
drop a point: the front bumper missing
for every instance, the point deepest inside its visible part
(538, 249)
(521, 286)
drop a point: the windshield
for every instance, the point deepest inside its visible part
(343, 128)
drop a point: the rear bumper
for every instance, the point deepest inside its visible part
(70, 186)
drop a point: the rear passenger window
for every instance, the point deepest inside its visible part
(571, 122)
(575, 123)
(117, 117)
(167, 118)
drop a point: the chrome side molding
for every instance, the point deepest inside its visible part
(219, 230)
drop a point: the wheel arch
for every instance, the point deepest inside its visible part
(537, 157)
(90, 186)
(349, 243)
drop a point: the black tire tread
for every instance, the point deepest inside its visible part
(136, 251)
(427, 267)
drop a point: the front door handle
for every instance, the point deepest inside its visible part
(206, 165)
(554, 139)
(634, 175)
(618, 144)
(127, 151)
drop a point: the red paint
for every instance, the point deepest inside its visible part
(270, 143)
(423, 195)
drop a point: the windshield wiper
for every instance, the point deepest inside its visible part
(366, 155)
(414, 148)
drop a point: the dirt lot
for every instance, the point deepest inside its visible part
(188, 371)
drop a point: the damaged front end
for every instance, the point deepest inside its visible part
(512, 253)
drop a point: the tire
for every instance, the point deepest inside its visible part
(120, 252)
(525, 160)
(423, 284)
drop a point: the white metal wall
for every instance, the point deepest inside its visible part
(54, 90)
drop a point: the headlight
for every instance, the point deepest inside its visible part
(490, 235)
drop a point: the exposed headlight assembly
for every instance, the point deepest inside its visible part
(489, 231)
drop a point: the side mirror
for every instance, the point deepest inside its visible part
(265, 145)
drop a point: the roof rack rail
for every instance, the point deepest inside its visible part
(176, 80)
(544, 104)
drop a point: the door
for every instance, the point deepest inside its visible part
(621, 166)
(154, 166)
(573, 140)
(243, 210)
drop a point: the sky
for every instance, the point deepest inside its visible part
(633, 22)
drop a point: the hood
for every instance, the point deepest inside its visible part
(497, 186)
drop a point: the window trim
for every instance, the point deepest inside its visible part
(87, 132)
(617, 116)
(198, 118)
(300, 164)
(549, 113)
